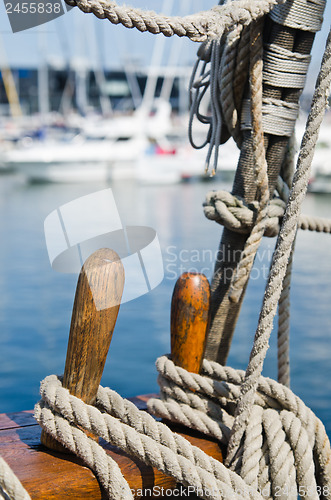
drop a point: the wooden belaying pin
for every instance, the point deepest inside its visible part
(97, 301)
(189, 320)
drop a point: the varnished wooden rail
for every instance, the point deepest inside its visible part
(53, 474)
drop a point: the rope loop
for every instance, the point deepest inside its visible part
(284, 447)
(121, 424)
(235, 214)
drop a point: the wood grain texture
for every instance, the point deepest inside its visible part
(189, 320)
(97, 301)
(50, 475)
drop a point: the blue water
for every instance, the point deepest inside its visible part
(36, 302)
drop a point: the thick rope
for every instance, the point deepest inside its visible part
(278, 117)
(59, 414)
(120, 423)
(229, 71)
(10, 486)
(283, 435)
(233, 213)
(261, 168)
(198, 27)
(285, 68)
(282, 254)
(283, 333)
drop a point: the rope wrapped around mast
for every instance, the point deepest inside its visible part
(222, 67)
(226, 73)
(233, 213)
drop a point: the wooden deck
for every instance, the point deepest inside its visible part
(51, 475)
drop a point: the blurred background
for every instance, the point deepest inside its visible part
(84, 106)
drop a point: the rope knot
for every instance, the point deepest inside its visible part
(237, 215)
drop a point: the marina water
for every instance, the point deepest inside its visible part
(36, 301)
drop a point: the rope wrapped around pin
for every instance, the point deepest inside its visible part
(285, 449)
(74, 417)
(235, 214)
(120, 423)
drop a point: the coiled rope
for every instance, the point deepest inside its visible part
(138, 433)
(284, 440)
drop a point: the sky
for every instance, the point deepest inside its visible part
(82, 39)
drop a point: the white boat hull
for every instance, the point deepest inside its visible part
(81, 161)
